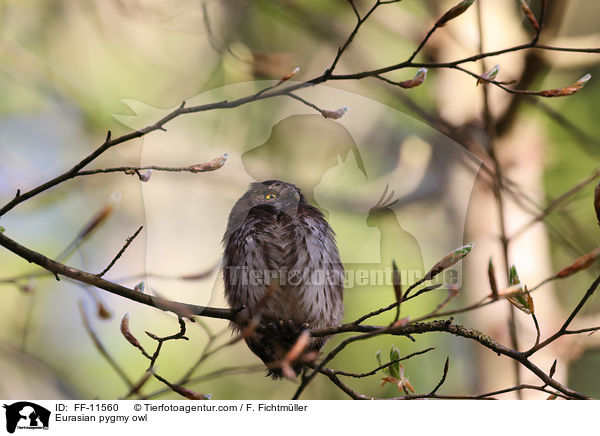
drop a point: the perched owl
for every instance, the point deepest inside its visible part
(278, 244)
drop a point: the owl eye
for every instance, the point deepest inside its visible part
(270, 196)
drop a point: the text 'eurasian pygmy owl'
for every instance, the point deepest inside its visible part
(278, 244)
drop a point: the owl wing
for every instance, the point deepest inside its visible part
(317, 251)
(251, 255)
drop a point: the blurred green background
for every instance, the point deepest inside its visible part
(73, 70)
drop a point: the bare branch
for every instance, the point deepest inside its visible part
(559, 201)
(499, 183)
(444, 375)
(121, 251)
(563, 330)
(212, 165)
(182, 309)
(385, 365)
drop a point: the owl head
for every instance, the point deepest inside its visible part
(270, 195)
(280, 195)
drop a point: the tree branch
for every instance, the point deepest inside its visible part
(181, 309)
(121, 251)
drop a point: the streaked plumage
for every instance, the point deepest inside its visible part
(275, 234)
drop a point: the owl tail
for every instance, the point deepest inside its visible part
(272, 345)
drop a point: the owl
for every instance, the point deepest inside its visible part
(281, 264)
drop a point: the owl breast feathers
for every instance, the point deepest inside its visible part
(282, 265)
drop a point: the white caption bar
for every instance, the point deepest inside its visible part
(163, 418)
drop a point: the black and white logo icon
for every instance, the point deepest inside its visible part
(26, 415)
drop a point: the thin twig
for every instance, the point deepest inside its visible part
(307, 378)
(335, 379)
(380, 367)
(186, 310)
(101, 348)
(559, 201)
(135, 389)
(350, 38)
(161, 340)
(458, 330)
(306, 102)
(563, 330)
(222, 372)
(498, 188)
(537, 329)
(182, 309)
(121, 251)
(444, 375)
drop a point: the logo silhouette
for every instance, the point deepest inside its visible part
(26, 415)
(299, 150)
(394, 239)
(341, 167)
